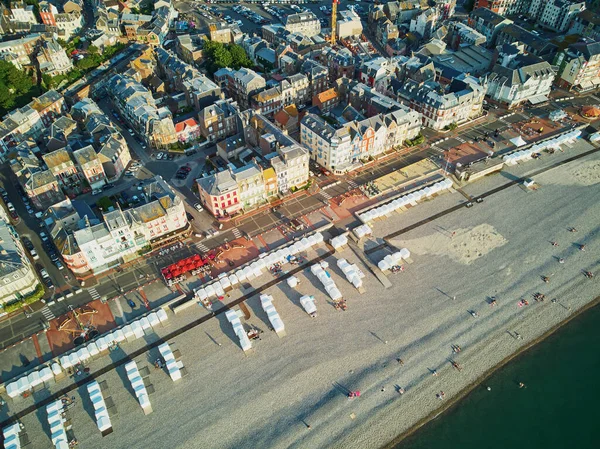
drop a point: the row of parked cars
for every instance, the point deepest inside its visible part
(249, 14)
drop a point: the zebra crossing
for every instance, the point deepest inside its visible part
(202, 247)
(352, 184)
(237, 233)
(48, 313)
(460, 139)
(94, 293)
(325, 195)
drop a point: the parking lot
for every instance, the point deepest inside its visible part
(252, 16)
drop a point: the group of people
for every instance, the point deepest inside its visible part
(561, 260)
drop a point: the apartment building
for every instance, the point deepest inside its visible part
(488, 23)
(68, 24)
(219, 193)
(199, 90)
(519, 78)
(17, 126)
(441, 107)
(22, 13)
(586, 24)
(348, 24)
(63, 168)
(243, 84)
(40, 185)
(137, 105)
(53, 60)
(461, 35)
(121, 234)
(579, 66)
(17, 276)
(305, 23)
(90, 166)
(504, 7)
(556, 15)
(219, 120)
(341, 149)
(188, 130)
(114, 155)
(20, 51)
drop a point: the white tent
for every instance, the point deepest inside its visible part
(518, 141)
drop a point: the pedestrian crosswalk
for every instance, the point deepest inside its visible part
(202, 247)
(460, 139)
(237, 233)
(352, 184)
(325, 195)
(94, 293)
(48, 313)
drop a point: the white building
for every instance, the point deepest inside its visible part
(305, 23)
(123, 233)
(22, 13)
(518, 78)
(17, 276)
(460, 101)
(342, 149)
(69, 23)
(579, 66)
(53, 59)
(555, 14)
(348, 24)
(291, 166)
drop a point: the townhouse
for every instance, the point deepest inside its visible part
(219, 120)
(305, 23)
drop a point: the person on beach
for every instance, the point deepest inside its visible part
(572, 230)
(582, 247)
(561, 260)
(493, 302)
(400, 391)
(554, 243)
(474, 314)
(518, 336)
(546, 279)
(401, 362)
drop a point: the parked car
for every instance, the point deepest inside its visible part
(96, 192)
(198, 207)
(43, 236)
(190, 217)
(48, 282)
(159, 156)
(59, 265)
(44, 273)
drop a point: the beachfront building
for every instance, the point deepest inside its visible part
(17, 275)
(441, 107)
(341, 149)
(579, 66)
(555, 14)
(219, 194)
(519, 78)
(121, 234)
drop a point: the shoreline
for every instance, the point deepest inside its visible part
(462, 394)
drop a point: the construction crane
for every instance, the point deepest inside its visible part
(334, 4)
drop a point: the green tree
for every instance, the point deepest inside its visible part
(239, 56)
(93, 50)
(15, 86)
(222, 58)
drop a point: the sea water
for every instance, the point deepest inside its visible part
(557, 409)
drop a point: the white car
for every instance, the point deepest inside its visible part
(198, 207)
(96, 192)
(43, 236)
(159, 156)
(44, 273)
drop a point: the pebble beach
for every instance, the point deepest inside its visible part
(292, 392)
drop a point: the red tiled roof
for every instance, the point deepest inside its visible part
(182, 125)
